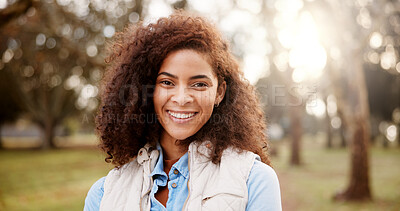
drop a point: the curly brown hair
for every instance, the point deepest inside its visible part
(126, 120)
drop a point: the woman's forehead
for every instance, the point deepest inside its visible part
(187, 63)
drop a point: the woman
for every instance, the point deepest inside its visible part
(181, 124)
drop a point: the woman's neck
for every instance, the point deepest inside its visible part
(170, 148)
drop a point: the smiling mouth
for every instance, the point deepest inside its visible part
(181, 115)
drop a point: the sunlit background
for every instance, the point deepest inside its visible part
(323, 70)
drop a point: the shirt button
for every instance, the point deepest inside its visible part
(176, 171)
(174, 185)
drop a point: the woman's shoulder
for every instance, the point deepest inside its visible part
(263, 188)
(95, 194)
(263, 170)
(263, 175)
(98, 185)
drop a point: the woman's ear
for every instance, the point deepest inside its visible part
(220, 93)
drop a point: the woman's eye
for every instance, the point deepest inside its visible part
(200, 84)
(168, 83)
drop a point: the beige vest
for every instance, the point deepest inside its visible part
(211, 187)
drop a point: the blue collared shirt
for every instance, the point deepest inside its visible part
(262, 184)
(177, 184)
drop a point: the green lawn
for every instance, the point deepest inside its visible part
(325, 172)
(60, 179)
(51, 180)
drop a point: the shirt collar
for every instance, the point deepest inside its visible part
(181, 165)
(159, 168)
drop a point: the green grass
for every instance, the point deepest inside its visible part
(325, 172)
(60, 179)
(50, 180)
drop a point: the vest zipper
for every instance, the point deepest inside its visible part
(184, 205)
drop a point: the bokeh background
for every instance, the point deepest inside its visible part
(327, 71)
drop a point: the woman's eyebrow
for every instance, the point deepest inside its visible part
(167, 74)
(191, 78)
(199, 77)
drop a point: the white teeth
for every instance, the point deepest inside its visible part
(181, 115)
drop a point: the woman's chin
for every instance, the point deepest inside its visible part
(181, 136)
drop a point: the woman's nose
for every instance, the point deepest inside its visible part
(182, 96)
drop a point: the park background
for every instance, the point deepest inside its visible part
(327, 72)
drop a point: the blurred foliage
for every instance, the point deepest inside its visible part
(53, 54)
(9, 110)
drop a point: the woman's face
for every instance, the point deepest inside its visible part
(185, 93)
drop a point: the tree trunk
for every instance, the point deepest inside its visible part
(1, 137)
(139, 8)
(356, 115)
(48, 135)
(398, 135)
(328, 132)
(296, 133)
(385, 142)
(343, 139)
(343, 126)
(373, 140)
(358, 188)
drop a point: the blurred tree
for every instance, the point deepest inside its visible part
(10, 109)
(353, 34)
(55, 53)
(374, 42)
(354, 101)
(356, 22)
(384, 97)
(281, 76)
(329, 132)
(351, 29)
(296, 132)
(275, 99)
(343, 133)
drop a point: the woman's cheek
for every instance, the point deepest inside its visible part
(159, 98)
(207, 102)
